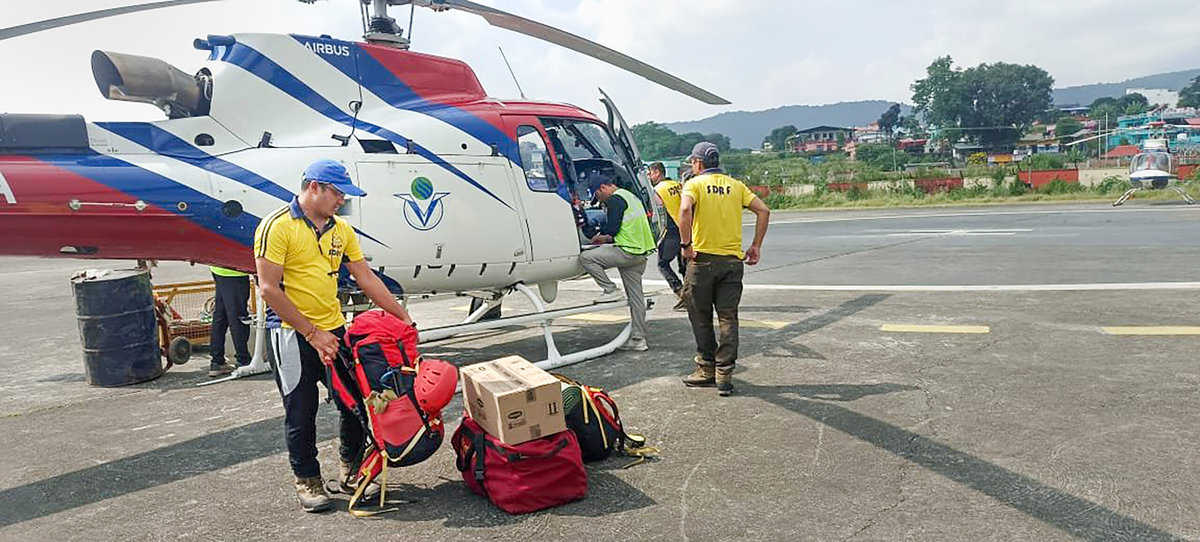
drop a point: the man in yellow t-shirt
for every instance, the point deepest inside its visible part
(710, 231)
(297, 251)
(669, 191)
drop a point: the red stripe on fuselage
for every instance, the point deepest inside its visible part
(444, 81)
(41, 221)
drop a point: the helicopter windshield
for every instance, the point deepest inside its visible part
(1158, 161)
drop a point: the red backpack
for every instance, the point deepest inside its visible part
(397, 395)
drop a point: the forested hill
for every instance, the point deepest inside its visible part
(746, 129)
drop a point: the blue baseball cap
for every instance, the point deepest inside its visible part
(704, 151)
(334, 173)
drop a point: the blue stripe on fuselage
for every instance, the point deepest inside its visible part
(256, 63)
(159, 191)
(380, 81)
(167, 144)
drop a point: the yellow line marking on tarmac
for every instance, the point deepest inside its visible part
(1151, 330)
(908, 328)
(767, 324)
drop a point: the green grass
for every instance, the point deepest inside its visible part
(1058, 191)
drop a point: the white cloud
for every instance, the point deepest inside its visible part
(759, 54)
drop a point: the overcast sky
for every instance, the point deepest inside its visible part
(759, 54)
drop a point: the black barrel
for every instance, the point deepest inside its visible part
(117, 327)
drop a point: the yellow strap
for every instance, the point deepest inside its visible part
(362, 487)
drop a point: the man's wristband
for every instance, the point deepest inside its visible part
(685, 245)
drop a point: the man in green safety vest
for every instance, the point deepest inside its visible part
(624, 243)
(229, 313)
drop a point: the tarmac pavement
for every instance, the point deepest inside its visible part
(1015, 415)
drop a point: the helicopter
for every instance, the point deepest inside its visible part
(1154, 167)
(467, 194)
(465, 191)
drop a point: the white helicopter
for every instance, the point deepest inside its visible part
(467, 194)
(1154, 167)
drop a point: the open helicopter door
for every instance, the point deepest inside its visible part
(623, 138)
(542, 183)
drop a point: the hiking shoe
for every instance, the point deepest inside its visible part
(610, 296)
(312, 495)
(724, 379)
(703, 377)
(635, 344)
(220, 370)
(347, 480)
(681, 305)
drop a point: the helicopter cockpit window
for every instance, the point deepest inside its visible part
(535, 159)
(1151, 161)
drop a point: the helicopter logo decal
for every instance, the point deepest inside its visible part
(327, 48)
(423, 209)
(6, 190)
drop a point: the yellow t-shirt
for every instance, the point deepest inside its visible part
(310, 260)
(669, 191)
(718, 200)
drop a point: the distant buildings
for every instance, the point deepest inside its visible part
(821, 139)
(1158, 97)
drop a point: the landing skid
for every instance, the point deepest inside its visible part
(554, 358)
(474, 322)
(1129, 193)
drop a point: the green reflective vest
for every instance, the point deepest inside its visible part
(634, 236)
(222, 272)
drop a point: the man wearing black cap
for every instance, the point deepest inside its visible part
(710, 231)
(626, 241)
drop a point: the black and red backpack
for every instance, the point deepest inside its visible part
(397, 395)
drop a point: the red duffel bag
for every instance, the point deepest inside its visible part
(520, 478)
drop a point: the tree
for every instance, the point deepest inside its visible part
(1106, 107)
(778, 137)
(881, 156)
(657, 141)
(890, 119)
(991, 103)
(1190, 95)
(1066, 126)
(1133, 103)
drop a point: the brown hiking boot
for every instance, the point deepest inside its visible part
(347, 476)
(312, 495)
(702, 377)
(724, 378)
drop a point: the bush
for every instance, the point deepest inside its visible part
(1044, 161)
(1113, 184)
(1059, 186)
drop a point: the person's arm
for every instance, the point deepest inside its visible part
(371, 285)
(270, 274)
(612, 224)
(686, 205)
(762, 215)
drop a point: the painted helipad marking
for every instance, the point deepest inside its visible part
(764, 324)
(973, 213)
(1151, 330)
(909, 328)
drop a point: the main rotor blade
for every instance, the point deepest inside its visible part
(566, 39)
(21, 30)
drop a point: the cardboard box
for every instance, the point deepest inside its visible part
(513, 400)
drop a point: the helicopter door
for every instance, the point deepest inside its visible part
(540, 181)
(424, 214)
(622, 137)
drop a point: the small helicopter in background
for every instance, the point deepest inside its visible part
(1154, 167)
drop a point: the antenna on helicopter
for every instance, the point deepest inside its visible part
(510, 72)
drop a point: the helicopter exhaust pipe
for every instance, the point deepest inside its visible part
(133, 78)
